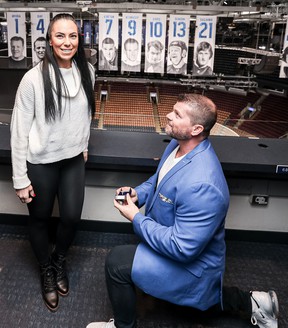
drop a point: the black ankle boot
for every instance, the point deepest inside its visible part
(62, 282)
(49, 289)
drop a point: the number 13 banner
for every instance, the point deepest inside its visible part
(155, 43)
(39, 25)
(204, 45)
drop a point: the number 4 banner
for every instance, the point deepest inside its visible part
(204, 45)
(39, 25)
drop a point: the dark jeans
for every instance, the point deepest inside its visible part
(122, 292)
(66, 181)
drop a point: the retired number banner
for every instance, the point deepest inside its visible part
(131, 42)
(39, 26)
(178, 44)
(108, 41)
(204, 45)
(155, 43)
(284, 61)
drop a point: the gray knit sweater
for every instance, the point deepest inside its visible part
(34, 140)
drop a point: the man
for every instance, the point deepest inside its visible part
(130, 61)
(204, 53)
(108, 56)
(177, 54)
(39, 49)
(17, 58)
(181, 258)
(154, 62)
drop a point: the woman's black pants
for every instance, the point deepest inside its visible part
(66, 181)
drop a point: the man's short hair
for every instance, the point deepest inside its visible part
(108, 41)
(17, 38)
(155, 44)
(131, 41)
(40, 39)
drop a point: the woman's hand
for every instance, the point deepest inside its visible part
(26, 195)
(85, 155)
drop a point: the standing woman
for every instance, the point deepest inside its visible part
(50, 129)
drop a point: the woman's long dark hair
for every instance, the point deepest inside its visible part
(51, 109)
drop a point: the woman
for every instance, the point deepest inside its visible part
(50, 129)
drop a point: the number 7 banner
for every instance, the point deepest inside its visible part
(108, 41)
(204, 45)
(39, 25)
(155, 43)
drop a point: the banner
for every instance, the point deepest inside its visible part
(108, 41)
(204, 45)
(16, 28)
(284, 61)
(39, 26)
(155, 43)
(131, 42)
(178, 42)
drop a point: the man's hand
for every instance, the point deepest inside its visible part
(128, 209)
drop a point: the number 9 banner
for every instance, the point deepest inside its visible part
(204, 45)
(155, 43)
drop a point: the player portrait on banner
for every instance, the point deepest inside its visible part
(284, 61)
(177, 55)
(155, 43)
(204, 45)
(17, 53)
(108, 41)
(131, 42)
(39, 25)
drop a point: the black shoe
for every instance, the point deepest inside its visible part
(49, 289)
(62, 282)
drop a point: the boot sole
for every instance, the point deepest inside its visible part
(62, 294)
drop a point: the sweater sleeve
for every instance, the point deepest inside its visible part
(21, 122)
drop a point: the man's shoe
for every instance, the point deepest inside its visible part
(265, 309)
(62, 282)
(109, 324)
(48, 286)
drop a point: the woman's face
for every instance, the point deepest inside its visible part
(64, 40)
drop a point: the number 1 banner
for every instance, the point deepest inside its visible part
(16, 28)
(204, 45)
(155, 43)
(108, 41)
(178, 44)
(39, 25)
(131, 42)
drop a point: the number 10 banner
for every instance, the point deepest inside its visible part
(39, 25)
(204, 45)
(155, 43)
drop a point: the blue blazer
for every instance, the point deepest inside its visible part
(181, 258)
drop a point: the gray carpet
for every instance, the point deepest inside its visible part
(255, 266)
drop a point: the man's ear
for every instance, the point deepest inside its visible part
(197, 129)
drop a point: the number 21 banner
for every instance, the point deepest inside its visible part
(39, 25)
(155, 43)
(204, 45)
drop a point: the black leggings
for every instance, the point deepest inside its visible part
(66, 180)
(122, 292)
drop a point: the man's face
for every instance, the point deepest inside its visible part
(39, 48)
(154, 55)
(175, 54)
(109, 51)
(17, 49)
(179, 125)
(203, 57)
(132, 51)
